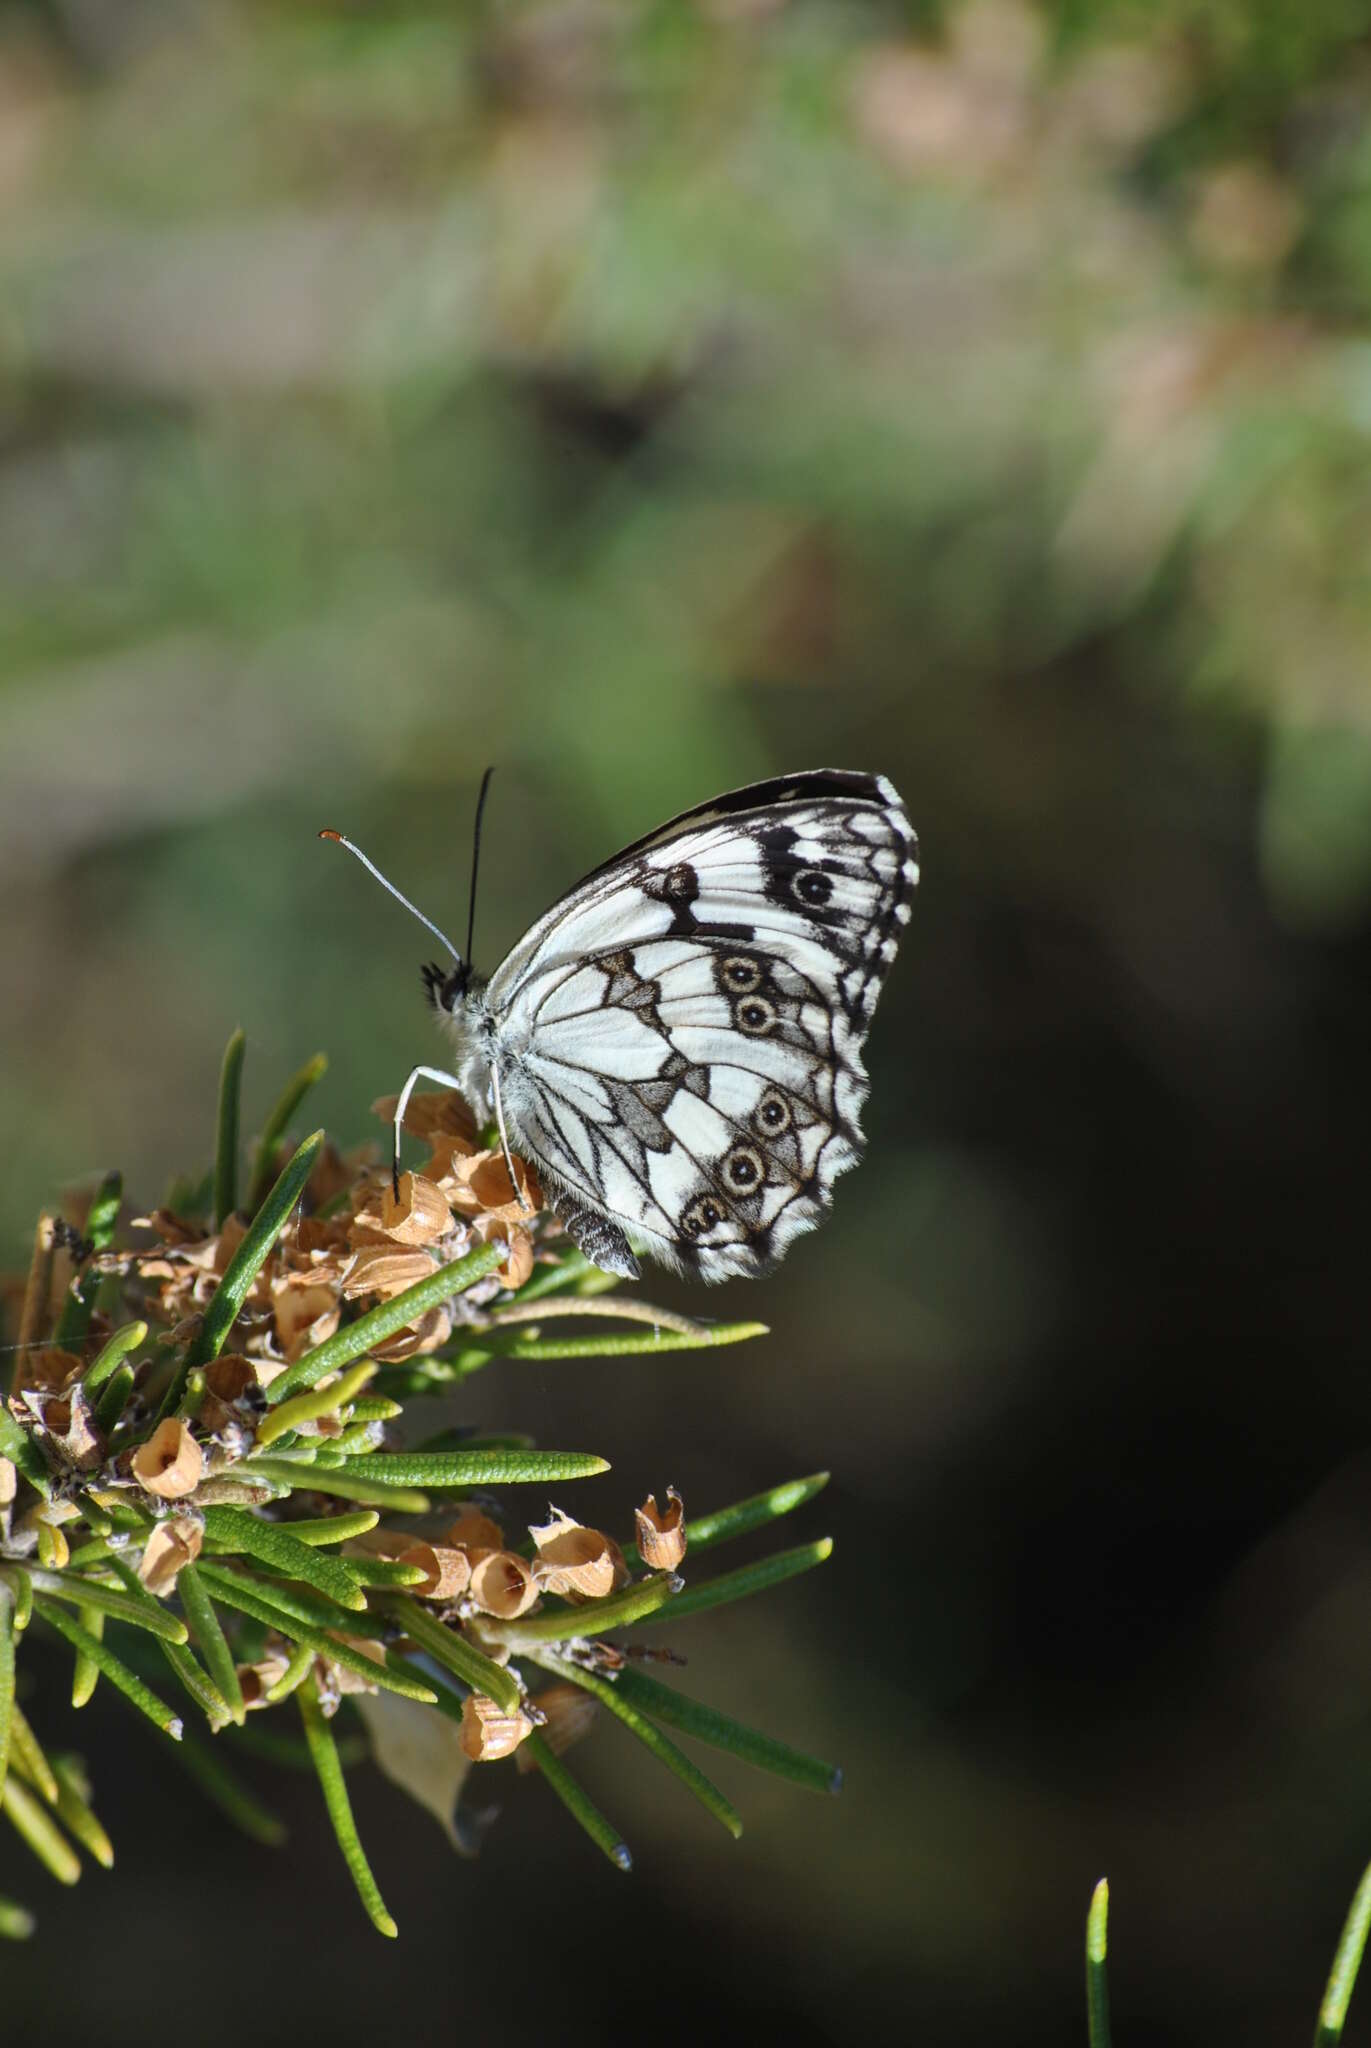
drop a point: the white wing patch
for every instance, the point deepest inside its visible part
(679, 1039)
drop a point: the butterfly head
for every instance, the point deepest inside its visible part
(447, 986)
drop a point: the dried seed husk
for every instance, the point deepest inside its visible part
(384, 1270)
(502, 1584)
(257, 1679)
(70, 1422)
(341, 1677)
(172, 1544)
(306, 1312)
(488, 1732)
(421, 1215)
(472, 1531)
(447, 1572)
(568, 1713)
(429, 1115)
(574, 1562)
(47, 1369)
(170, 1463)
(518, 1264)
(661, 1532)
(9, 1481)
(428, 1334)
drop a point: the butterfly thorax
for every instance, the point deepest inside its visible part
(460, 1001)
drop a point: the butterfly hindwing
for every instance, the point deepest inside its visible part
(680, 1037)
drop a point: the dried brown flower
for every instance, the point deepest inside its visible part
(172, 1544)
(502, 1584)
(170, 1463)
(574, 1562)
(661, 1533)
(475, 1533)
(488, 1732)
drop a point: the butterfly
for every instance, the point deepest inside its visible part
(676, 1045)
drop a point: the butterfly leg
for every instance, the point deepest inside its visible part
(603, 1243)
(524, 1202)
(419, 1074)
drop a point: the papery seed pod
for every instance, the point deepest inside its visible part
(9, 1481)
(170, 1463)
(257, 1679)
(420, 1216)
(46, 1369)
(447, 1572)
(428, 1334)
(661, 1533)
(518, 1263)
(574, 1562)
(232, 1376)
(384, 1270)
(173, 1543)
(488, 1732)
(226, 1243)
(568, 1714)
(306, 1312)
(71, 1425)
(472, 1531)
(341, 1678)
(430, 1114)
(502, 1584)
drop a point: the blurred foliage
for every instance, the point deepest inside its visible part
(648, 396)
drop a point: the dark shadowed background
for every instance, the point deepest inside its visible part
(649, 398)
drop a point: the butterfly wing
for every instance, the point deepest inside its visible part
(680, 1036)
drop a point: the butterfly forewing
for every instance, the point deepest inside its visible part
(680, 1037)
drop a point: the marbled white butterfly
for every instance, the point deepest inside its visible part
(676, 1045)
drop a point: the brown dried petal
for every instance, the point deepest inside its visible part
(377, 1269)
(428, 1334)
(173, 1543)
(569, 1713)
(232, 1232)
(170, 1463)
(343, 1678)
(430, 1114)
(519, 1263)
(472, 1531)
(9, 1480)
(306, 1312)
(420, 1216)
(661, 1533)
(502, 1584)
(256, 1679)
(447, 1572)
(71, 1424)
(575, 1562)
(48, 1369)
(488, 1731)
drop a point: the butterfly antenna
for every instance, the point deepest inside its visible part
(476, 855)
(372, 869)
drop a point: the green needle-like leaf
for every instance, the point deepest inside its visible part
(385, 1319)
(578, 1802)
(652, 1739)
(319, 1736)
(83, 1591)
(750, 1578)
(308, 1407)
(292, 1095)
(443, 1470)
(349, 1485)
(113, 1668)
(725, 1524)
(335, 1528)
(298, 1667)
(707, 1724)
(205, 1763)
(19, 1447)
(74, 1320)
(596, 1618)
(252, 1598)
(226, 1140)
(26, 1757)
(73, 1810)
(1096, 1981)
(115, 1352)
(6, 1676)
(209, 1634)
(273, 1545)
(86, 1675)
(16, 1921)
(452, 1650)
(113, 1398)
(193, 1679)
(1342, 1977)
(243, 1268)
(384, 1571)
(35, 1824)
(610, 1344)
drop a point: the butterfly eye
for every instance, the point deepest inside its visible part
(741, 974)
(772, 1114)
(743, 1168)
(755, 1016)
(702, 1214)
(812, 887)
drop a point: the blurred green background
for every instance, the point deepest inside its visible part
(648, 397)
